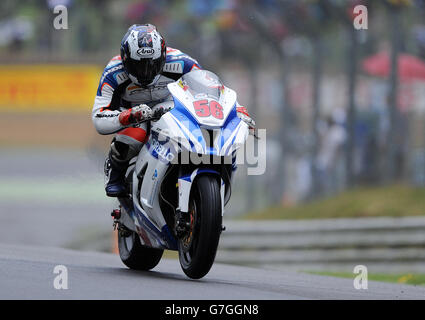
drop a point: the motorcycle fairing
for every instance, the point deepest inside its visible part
(177, 130)
(189, 125)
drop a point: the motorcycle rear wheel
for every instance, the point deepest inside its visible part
(136, 256)
(197, 250)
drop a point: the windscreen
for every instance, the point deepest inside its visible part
(203, 82)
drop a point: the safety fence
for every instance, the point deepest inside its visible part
(381, 244)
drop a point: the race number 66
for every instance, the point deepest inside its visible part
(205, 109)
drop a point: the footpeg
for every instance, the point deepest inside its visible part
(116, 214)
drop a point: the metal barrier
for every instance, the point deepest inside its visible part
(382, 244)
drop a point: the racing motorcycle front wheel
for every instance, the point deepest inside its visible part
(197, 249)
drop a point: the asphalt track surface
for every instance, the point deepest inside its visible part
(51, 198)
(27, 273)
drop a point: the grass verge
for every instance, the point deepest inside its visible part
(407, 278)
(388, 201)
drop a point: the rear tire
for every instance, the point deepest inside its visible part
(197, 251)
(136, 256)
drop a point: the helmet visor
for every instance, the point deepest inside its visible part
(144, 70)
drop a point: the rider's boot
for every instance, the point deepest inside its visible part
(115, 169)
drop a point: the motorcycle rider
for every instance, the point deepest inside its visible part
(130, 89)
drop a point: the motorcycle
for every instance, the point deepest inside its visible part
(180, 182)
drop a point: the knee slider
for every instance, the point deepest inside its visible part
(119, 151)
(123, 152)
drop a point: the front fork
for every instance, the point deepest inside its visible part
(184, 184)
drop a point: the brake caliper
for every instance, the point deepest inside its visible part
(182, 224)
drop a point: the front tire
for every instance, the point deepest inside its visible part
(198, 248)
(134, 255)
